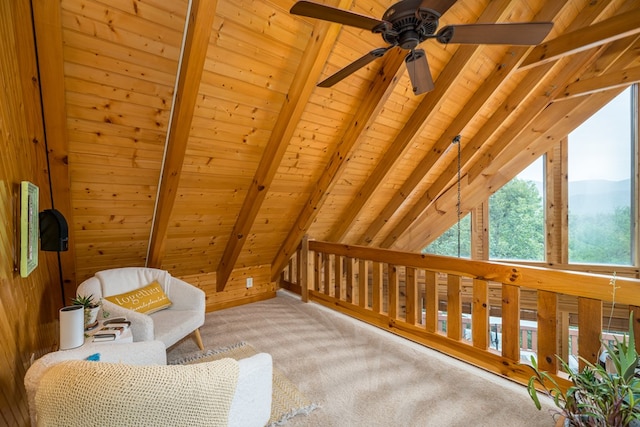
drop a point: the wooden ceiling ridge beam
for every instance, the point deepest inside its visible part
(49, 45)
(199, 26)
(313, 60)
(377, 95)
(418, 120)
(623, 25)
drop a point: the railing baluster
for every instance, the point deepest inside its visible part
(454, 307)
(393, 292)
(317, 269)
(589, 330)
(431, 300)
(377, 287)
(547, 331)
(303, 269)
(338, 292)
(363, 284)
(350, 279)
(327, 274)
(511, 322)
(412, 295)
(480, 314)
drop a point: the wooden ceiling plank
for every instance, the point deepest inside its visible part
(199, 28)
(313, 60)
(428, 107)
(533, 78)
(48, 29)
(607, 31)
(378, 93)
(611, 80)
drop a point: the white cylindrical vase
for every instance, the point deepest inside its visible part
(71, 327)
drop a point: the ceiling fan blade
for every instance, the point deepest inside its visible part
(440, 6)
(334, 14)
(508, 33)
(354, 66)
(419, 73)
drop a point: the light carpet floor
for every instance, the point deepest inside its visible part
(360, 375)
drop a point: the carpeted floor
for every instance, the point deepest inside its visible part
(362, 376)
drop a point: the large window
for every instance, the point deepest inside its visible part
(516, 217)
(600, 186)
(447, 243)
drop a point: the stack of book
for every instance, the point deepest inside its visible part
(111, 330)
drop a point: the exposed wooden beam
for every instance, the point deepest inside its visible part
(615, 28)
(200, 22)
(378, 93)
(428, 106)
(607, 81)
(48, 28)
(303, 84)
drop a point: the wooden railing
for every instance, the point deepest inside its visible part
(435, 300)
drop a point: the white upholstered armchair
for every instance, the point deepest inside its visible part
(170, 325)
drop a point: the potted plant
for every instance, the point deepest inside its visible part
(91, 309)
(596, 397)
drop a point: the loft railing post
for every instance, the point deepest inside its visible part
(431, 301)
(454, 307)
(511, 322)
(480, 314)
(317, 271)
(303, 268)
(327, 274)
(376, 305)
(589, 330)
(393, 292)
(363, 284)
(412, 295)
(337, 270)
(350, 279)
(547, 331)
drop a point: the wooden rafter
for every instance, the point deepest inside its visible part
(607, 81)
(200, 22)
(303, 84)
(615, 28)
(379, 91)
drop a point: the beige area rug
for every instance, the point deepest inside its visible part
(286, 402)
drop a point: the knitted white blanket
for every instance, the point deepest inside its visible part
(81, 393)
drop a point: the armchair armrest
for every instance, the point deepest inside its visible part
(141, 324)
(185, 296)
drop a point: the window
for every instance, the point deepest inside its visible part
(600, 185)
(516, 217)
(447, 243)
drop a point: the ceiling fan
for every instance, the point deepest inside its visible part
(410, 22)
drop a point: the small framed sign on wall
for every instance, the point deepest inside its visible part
(29, 229)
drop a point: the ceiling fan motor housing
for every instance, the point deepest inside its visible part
(410, 24)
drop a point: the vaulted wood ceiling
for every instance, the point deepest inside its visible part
(249, 155)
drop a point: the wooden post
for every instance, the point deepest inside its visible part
(327, 274)
(431, 301)
(454, 307)
(589, 330)
(412, 295)
(363, 284)
(303, 269)
(393, 292)
(480, 315)
(547, 331)
(511, 322)
(317, 271)
(337, 270)
(377, 287)
(350, 279)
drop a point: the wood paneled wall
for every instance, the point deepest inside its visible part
(28, 307)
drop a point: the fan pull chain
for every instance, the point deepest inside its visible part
(456, 140)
